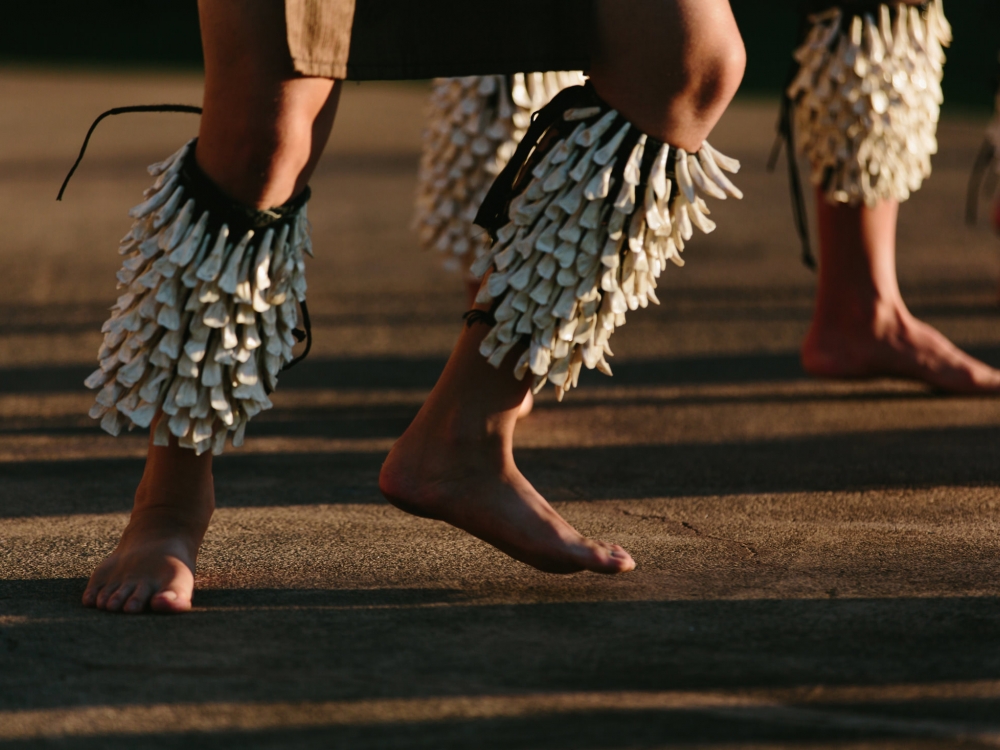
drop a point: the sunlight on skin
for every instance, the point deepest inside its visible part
(861, 327)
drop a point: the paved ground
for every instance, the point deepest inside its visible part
(817, 562)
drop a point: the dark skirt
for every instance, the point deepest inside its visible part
(406, 39)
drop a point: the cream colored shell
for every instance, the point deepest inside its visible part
(867, 100)
(580, 250)
(473, 127)
(204, 324)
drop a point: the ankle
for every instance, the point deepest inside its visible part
(151, 522)
(873, 313)
(470, 429)
(191, 505)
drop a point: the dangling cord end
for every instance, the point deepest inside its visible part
(474, 317)
(799, 210)
(306, 335)
(492, 214)
(786, 137)
(779, 138)
(118, 111)
(983, 160)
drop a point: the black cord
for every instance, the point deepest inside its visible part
(786, 138)
(474, 317)
(983, 160)
(120, 111)
(307, 335)
(492, 214)
(194, 174)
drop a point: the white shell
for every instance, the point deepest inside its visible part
(473, 127)
(562, 278)
(184, 338)
(867, 102)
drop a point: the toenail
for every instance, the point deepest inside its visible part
(171, 595)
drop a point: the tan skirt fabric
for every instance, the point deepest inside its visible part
(406, 39)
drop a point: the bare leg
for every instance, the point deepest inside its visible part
(861, 326)
(262, 132)
(995, 215)
(671, 66)
(471, 290)
(455, 462)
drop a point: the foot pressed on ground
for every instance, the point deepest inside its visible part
(152, 568)
(898, 345)
(476, 487)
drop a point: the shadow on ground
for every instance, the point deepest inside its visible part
(377, 373)
(403, 644)
(599, 729)
(848, 462)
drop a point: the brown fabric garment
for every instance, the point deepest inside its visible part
(319, 36)
(399, 39)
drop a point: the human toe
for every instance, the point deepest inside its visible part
(90, 594)
(622, 559)
(610, 559)
(105, 594)
(170, 601)
(137, 601)
(119, 597)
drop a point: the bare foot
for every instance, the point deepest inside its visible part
(455, 463)
(895, 345)
(495, 503)
(153, 565)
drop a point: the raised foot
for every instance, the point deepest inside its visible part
(498, 506)
(151, 569)
(898, 346)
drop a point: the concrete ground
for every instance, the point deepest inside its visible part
(817, 561)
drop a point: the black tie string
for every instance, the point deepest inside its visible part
(120, 111)
(300, 335)
(492, 213)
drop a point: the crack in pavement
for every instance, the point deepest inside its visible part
(683, 528)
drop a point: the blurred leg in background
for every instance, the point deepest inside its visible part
(866, 104)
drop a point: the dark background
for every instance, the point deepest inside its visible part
(165, 34)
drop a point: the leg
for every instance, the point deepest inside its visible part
(264, 127)
(861, 327)
(471, 290)
(262, 132)
(153, 564)
(671, 65)
(455, 462)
